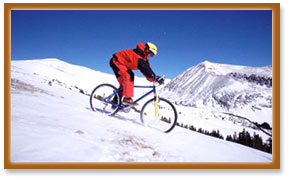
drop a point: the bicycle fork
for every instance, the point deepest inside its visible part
(156, 105)
(156, 98)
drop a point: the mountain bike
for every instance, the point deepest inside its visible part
(158, 113)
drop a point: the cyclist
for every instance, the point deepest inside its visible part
(123, 62)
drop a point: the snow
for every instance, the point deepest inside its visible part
(52, 123)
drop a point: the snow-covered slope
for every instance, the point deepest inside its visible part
(51, 121)
(239, 90)
(62, 74)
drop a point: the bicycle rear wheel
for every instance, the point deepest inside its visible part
(104, 99)
(164, 120)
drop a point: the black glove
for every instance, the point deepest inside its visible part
(160, 80)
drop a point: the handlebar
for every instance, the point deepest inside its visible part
(157, 83)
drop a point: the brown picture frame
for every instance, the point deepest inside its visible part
(275, 7)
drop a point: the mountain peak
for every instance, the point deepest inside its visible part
(213, 68)
(206, 63)
(225, 69)
(223, 87)
(51, 60)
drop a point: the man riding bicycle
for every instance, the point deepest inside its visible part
(123, 62)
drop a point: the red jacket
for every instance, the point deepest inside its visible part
(135, 59)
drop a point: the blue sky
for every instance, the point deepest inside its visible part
(184, 38)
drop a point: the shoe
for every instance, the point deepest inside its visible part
(128, 101)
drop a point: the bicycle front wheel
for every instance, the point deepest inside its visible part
(104, 99)
(161, 115)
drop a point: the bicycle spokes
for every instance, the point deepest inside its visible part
(159, 114)
(105, 99)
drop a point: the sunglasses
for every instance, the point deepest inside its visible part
(152, 54)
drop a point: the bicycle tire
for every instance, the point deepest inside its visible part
(172, 110)
(102, 103)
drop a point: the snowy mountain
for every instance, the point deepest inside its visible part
(237, 90)
(51, 121)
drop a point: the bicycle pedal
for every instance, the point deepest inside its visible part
(126, 110)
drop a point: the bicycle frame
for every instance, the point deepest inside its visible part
(155, 112)
(153, 90)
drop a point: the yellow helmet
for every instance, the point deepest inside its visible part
(152, 47)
